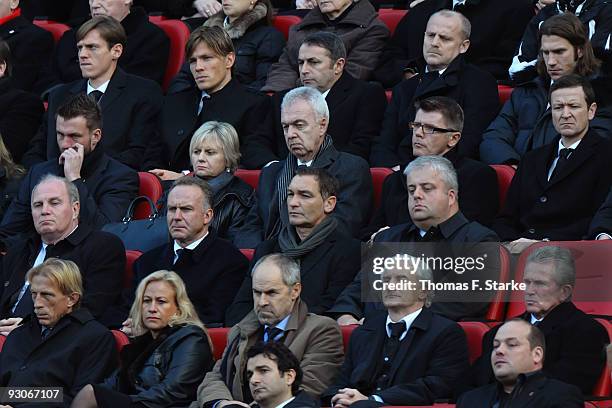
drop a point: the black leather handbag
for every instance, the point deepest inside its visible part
(141, 235)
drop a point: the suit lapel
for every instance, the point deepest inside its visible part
(375, 336)
(315, 258)
(582, 153)
(115, 88)
(542, 166)
(337, 94)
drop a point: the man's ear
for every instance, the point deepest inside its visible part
(339, 66)
(73, 299)
(289, 376)
(329, 204)
(96, 135)
(116, 51)
(76, 210)
(592, 110)
(465, 44)
(2, 69)
(454, 139)
(296, 289)
(229, 60)
(538, 354)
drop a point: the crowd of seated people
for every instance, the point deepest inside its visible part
(279, 268)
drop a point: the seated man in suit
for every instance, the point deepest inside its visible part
(407, 356)
(574, 341)
(525, 122)
(517, 360)
(546, 199)
(497, 30)
(145, 54)
(213, 94)
(442, 73)
(435, 217)
(328, 258)
(304, 117)
(356, 107)
(60, 344)
(275, 376)
(278, 315)
(106, 187)
(211, 267)
(99, 255)
(129, 104)
(436, 130)
(31, 47)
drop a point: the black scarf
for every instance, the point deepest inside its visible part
(291, 245)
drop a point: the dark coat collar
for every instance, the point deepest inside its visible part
(80, 316)
(376, 324)
(448, 228)
(360, 15)
(198, 254)
(134, 20)
(340, 89)
(556, 317)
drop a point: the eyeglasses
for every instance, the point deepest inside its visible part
(428, 129)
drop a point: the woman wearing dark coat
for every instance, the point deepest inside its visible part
(215, 152)
(165, 363)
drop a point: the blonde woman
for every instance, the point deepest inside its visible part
(165, 363)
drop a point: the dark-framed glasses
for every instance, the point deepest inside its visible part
(428, 129)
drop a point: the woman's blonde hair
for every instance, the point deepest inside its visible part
(185, 313)
(64, 274)
(225, 135)
(11, 168)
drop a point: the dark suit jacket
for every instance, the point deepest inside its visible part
(602, 221)
(129, 108)
(325, 272)
(456, 229)
(77, 352)
(475, 90)
(99, 255)
(302, 400)
(429, 361)
(497, 28)
(106, 188)
(31, 49)
(478, 194)
(20, 116)
(356, 110)
(574, 353)
(212, 273)
(352, 208)
(145, 54)
(234, 104)
(562, 208)
(535, 391)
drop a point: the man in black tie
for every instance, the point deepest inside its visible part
(407, 356)
(278, 315)
(129, 104)
(211, 267)
(559, 187)
(212, 94)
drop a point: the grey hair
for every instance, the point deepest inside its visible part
(466, 26)
(290, 269)
(73, 192)
(424, 273)
(312, 96)
(565, 267)
(440, 165)
(224, 134)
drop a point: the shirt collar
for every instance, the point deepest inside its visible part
(191, 246)
(301, 163)
(326, 93)
(572, 146)
(101, 88)
(282, 324)
(408, 319)
(455, 2)
(282, 404)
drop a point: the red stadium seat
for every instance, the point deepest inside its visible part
(248, 252)
(178, 33)
(603, 388)
(56, 29)
(379, 174)
(2, 340)
(150, 186)
(346, 334)
(251, 177)
(391, 17)
(389, 95)
(121, 339)
(130, 258)
(218, 336)
(497, 306)
(593, 276)
(474, 331)
(284, 23)
(504, 93)
(504, 178)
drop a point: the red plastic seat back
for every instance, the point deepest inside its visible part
(496, 310)
(150, 186)
(504, 92)
(603, 388)
(474, 331)
(391, 17)
(505, 173)
(251, 177)
(248, 252)
(379, 174)
(592, 292)
(178, 33)
(218, 336)
(130, 258)
(284, 23)
(56, 29)
(346, 334)
(2, 340)
(121, 339)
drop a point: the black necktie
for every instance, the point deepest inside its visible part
(205, 100)
(96, 95)
(45, 333)
(273, 332)
(183, 254)
(564, 155)
(397, 329)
